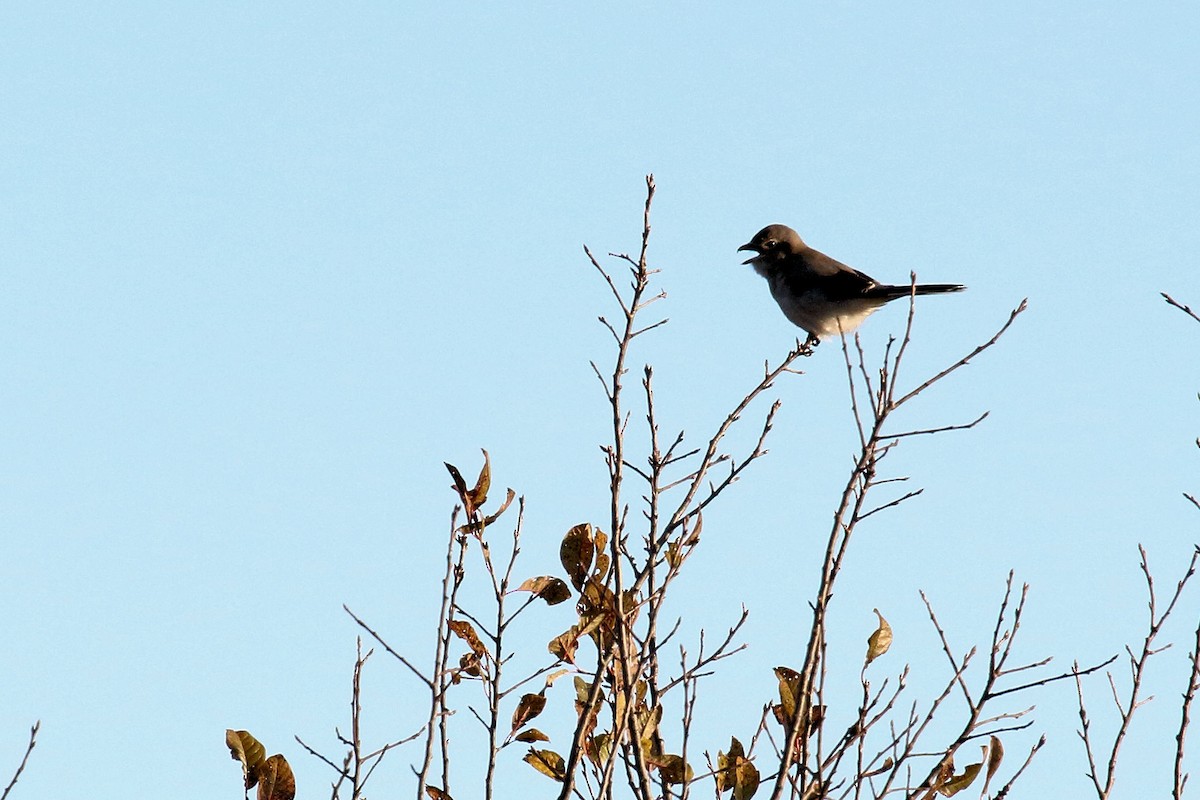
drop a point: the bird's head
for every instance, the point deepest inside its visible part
(772, 243)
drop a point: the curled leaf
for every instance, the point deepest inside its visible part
(529, 707)
(552, 590)
(245, 748)
(548, 763)
(879, 641)
(577, 552)
(478, 494)
(531, 735)
(564, 645)
(957, 783)
(464, 630)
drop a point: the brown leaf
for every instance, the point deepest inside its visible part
(460, 485)
(552, 590)
(245, 748)
(275, 780)
(576, 553)
(547, 762)
(436, 793)
(879, 641)
(674, 769)
(478, 494)
(529, 707)
(477, 527)
(564, 645)
(469, 664)
(463, 630)
(994, 757)
(531, 735)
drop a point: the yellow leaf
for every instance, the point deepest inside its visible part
(531, 735)
(576, 553)
(789, 687)
(959, 782)
(879, 641)
(745, 782)
(245, 748)
(598, 748)
(529, 707)
(548, 763)
(275, 780)
(736, 772)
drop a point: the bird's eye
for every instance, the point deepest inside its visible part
(769, 244)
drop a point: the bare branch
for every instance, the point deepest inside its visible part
(33, 732)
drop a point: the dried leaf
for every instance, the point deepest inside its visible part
(576, 553)
(674, 769)
(548, 763)
(469, 664)
(564, 645)
(553, 676)
(437, 794)
(789, 687)
(245, 748)
(598, 748)
(460, 485)
(736, 772)
(528, 707)
(477, 527)
(478, 494)
(552, 590)
(602, 562)
(995, 755)
(879, 641)
(959, 782)
(463, 630)
(275, 779)
(531, 735)
(745, 781)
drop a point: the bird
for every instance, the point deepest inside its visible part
(817, 293)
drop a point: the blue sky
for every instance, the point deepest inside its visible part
(266, 267)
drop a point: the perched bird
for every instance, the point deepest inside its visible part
(823, 296)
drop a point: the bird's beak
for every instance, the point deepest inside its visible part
(749, 246)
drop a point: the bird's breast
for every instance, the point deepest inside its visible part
(813, 311)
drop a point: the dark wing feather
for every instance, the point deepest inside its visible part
(836, 279)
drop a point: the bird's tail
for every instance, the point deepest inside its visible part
(892, 292)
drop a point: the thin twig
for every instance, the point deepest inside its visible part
(33, 732)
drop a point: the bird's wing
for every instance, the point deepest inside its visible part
(836, 278)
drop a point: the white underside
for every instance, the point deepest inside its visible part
(813, 312)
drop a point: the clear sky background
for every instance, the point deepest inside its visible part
(263, 267)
